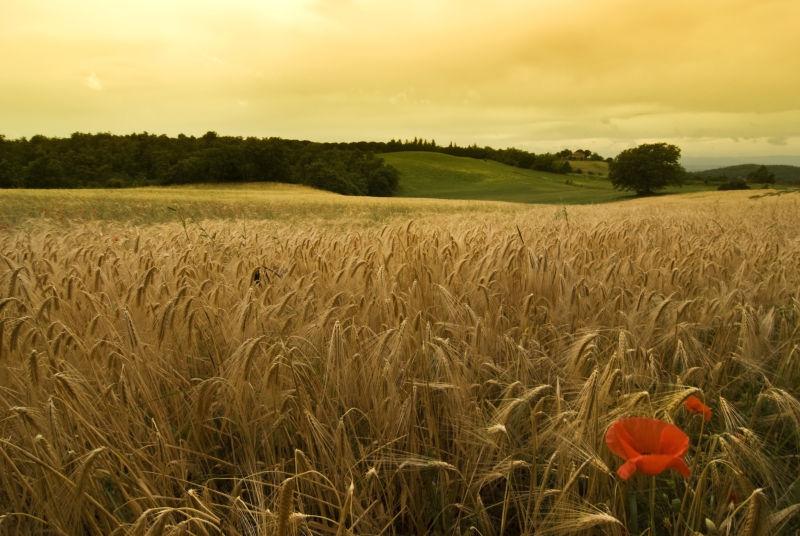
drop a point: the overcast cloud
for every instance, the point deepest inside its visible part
(716, 77)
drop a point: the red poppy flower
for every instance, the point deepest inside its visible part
(647, 445)
(695, 405)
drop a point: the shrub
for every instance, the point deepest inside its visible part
(734, 184)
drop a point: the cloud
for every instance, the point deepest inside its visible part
(93, 83)
(532, 73)
(778, 140)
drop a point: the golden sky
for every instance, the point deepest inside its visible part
(717, 77)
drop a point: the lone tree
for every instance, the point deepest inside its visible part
(761, 175)
(646, 168)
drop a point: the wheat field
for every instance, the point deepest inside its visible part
(446, 372)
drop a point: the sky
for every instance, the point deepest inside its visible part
(717, 77)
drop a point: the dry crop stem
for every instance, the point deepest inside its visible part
(439, 375)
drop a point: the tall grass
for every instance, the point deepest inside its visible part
(443, 375)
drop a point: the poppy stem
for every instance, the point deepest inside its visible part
(682, 519)
(653, 505)
(634, 511)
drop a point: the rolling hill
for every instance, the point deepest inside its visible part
(590, 167)
(427, 174)
(783, 174)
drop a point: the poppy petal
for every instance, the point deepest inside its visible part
(627, 469)
(620, 442)
(673, 441)
(654, 464)
(679, 465)
(695, 405)
(644, 433)
(648, 445)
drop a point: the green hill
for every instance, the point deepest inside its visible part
(427, 174)
(783, 174)
(590, 167)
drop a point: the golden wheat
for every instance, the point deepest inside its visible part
(440, 374)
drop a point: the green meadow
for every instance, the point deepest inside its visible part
(427, 174)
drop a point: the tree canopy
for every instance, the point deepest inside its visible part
(647, 168)
(761, 175)
(106, 160)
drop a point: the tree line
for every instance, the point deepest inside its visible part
(107, 160)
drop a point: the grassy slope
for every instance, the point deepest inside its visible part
(425, 174)
(590, 166)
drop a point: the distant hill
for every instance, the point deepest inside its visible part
(783, 174)
(703, 163)
(428, 174)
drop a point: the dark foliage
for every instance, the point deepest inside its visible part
(734, 184)
(580, 154)
(647, 168)
(106, 160)
(781, 174)
(761, 175)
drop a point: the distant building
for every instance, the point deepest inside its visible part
(579, 155)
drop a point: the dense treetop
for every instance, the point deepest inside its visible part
(106, 160)
(647, 168)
